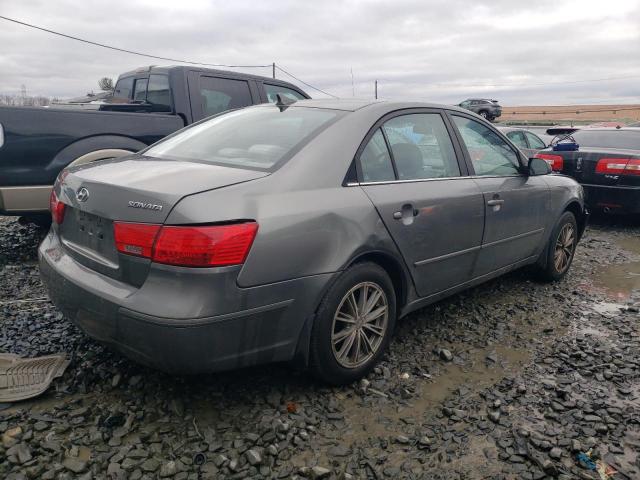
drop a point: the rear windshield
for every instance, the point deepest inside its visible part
(625, 139)
(255, 138)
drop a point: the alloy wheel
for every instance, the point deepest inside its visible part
(564, 248)
(359, 325)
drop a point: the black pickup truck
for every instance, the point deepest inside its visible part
(36, 143)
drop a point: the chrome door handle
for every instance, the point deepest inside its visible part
(493, 203)
(397, 215)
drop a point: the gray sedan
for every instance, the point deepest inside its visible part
(528, 142)
(298, 232)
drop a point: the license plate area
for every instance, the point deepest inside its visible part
(91, 232)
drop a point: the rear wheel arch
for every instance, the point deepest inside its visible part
(394, 269)
(86, 147)
(99, 155)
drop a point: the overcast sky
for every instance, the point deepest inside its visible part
(444, 51)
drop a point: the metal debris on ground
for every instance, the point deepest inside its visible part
(23, 378)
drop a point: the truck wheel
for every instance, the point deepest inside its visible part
(353, 325)
(557, 256)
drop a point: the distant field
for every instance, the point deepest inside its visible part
(577, 113)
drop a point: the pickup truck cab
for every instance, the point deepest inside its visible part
(36, 143)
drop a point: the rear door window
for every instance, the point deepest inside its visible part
(517, 137)
(273, 90)
(140, 90)
(221, 94)
(421, 147)
(534, 141)
(159, 93)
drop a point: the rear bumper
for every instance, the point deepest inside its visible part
(227, 328)
(24, 200)
(613, 199)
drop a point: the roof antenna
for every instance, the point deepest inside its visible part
(283, 103)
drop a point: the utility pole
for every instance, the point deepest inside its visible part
(376, 89)
(353, 87)
(273, 67)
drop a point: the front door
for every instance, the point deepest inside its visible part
(515, 204)
(432, 209)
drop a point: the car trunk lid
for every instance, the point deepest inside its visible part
(131, 189)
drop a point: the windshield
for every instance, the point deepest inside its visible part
(625, 139)
(256, 138)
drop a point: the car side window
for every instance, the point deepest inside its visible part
(421, 147)
(517, 137)
(221, 94)
(489, 153)
(123, 88)
(273, 90)
(375, 161)
(159, 93)
(534, 141)
(140, 90)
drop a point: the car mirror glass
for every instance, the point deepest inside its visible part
(538, 166)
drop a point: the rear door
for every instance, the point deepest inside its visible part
(213, 94)
(414, 175)
(516, 205)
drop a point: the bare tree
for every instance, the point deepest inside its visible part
(106, 84)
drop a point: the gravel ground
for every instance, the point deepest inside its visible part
(512, 379)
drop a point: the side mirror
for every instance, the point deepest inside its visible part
(538, 166)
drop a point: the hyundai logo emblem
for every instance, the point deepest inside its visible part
(82, 195)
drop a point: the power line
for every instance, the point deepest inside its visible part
(305, 83)
(125, 50)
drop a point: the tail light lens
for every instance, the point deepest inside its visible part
(618, 166)
(199, 246)
(135, 238)
(56, 207)
(555, 161)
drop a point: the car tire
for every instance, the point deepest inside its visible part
(558, 254)
(332, 359)
(484, 114)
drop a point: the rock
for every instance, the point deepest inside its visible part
(74, 464)
(319, 472)
(494, 415)
(446, 355)
(168, 469)
(150, 465)
(254, 457)
(21, 451)
(11, 437)
(555, 453)
(339, 451)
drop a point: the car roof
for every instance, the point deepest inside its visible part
(354, 104)
(194, 68)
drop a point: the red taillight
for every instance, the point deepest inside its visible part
(205, 246)
(135, 238)
(56, 207)
(555, 161)
(199, 246)
(618, 166)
